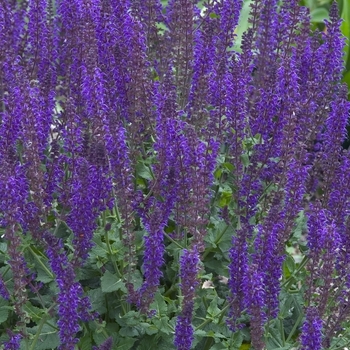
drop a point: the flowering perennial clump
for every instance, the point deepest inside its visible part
(143, 144)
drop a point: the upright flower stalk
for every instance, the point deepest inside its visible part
(189, 268)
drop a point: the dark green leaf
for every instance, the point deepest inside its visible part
(48, 338)
(111, 282)
(143, 171)
(125, 344)
(85, 343)
(97, 300)
(319, 15)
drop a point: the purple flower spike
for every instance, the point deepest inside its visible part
(188, 272)
(254, 301)
(72, 307)
(311, 336)
(14, 342)
(107, 345)
(3, 290)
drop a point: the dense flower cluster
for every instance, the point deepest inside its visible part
(14, 342)
(188, 273)
(127, 108)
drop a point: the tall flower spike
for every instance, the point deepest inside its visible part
(237, 272)
(14, 193)
(311, 336)
(156, 212)
(254, 301)
(268, 254)
(180, 21)
(3, 290)
(88, 198)
(154, 218)
(189, 269)
(203, 53)
(70, 302)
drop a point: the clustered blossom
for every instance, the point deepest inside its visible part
(72, 306)
(188, 273)
(14, 342)
(89, 196)
(107, 345)
(3, 290)
(311, 338)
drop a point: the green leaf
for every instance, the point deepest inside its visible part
(289, 264)
(133, 331)
(143, 171)
(43, 274)
(200, 333)
(85, 343)
(345, 29)
(3, 247)
(130, 318)
(288, 347)
(243, 24)
(150, 329)
(214, 15)
(97, 301)
(346, 78)
(100, 248)
(99, 338)
(48, 338)
(111, 282)
(4, 310)
(159, 305)
(245, 159)
(236, 340)
(245, 346)
(33, 312)
(213, 309)
(319, 14)
(162, 324)
(63, 230)
(225, 199)
(125, 344)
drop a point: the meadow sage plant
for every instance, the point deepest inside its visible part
(166, 183)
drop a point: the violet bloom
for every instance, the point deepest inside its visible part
(71, 305)
(106, 345)
(88, 199)
(311, 336)
(3, 290)
(188, 272)
(254, 301)
(268, 256)
(237, 270)
(14, 342)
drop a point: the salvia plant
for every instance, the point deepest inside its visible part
(168, 184)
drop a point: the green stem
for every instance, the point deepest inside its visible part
(116, 269)
(281, 328)
(217, 240)
(119, 220)
(340, 347)
(221, 313)
(41, 325)
(111, 255)
(296, 324)
(289, 281)
(173, 241)
(208, 343)
(41, 263)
